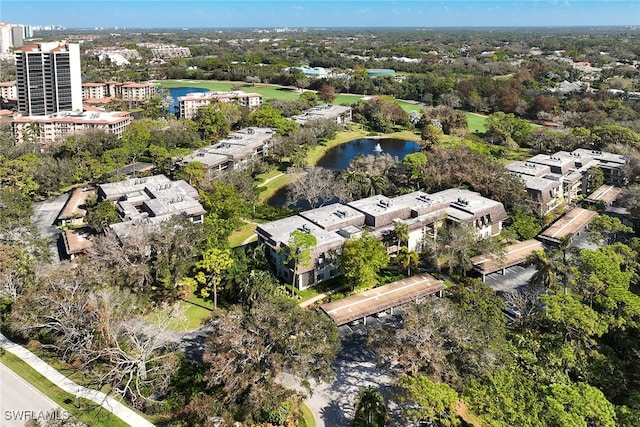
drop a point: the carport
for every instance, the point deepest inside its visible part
(606, 194)
(570, 223)
(514, 254)
(382, 298)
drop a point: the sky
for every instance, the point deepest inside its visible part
(316, 13)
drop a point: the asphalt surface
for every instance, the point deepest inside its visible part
(20, 401)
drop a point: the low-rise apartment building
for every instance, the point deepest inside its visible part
(339, 113)
(189, 104)
(8, 90)
(332, 225)
(235, 150)
(94, 91)
(60, 126)
(552, 180)
(150, 200)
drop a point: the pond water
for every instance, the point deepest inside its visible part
(175, 92)
(338, 158)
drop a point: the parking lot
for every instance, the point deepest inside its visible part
(513, 278)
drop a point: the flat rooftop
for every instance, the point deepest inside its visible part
(334, 216)
(528, 168)
(570, 223)
(513, 255)
(382, 298)
(606, 193)
(280, 231)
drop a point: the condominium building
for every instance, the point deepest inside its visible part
(149, 200)
(8, 90)
(552, 180)
(94, 91)
(235, 150)
(338, 113)
(332, 225)
(44, 130)
(191, 102)
(48, 78)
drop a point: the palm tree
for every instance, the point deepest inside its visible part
(370, 409)
(407, 259)
(552, 270)
(401, 231)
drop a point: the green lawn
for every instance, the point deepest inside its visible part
(476, 123)
(237, 238)
(267, 91)
(84, 410)
(194, 311)
(309, 420)
(273, 186)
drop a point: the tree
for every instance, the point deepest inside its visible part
(327, 93)
(211, 122)
(102, 215)
(506, 129)
(318, 187)
(370, 409)
(401, 233)
(430, 136)
(524, 224)
(249, 348)
(604, 229)
(407, 259)
(361, 259)
(210, 270)
(577, 404)
(298, 250)
(425, 400)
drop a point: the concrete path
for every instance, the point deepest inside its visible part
(109, 403)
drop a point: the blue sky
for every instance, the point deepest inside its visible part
(315, 13)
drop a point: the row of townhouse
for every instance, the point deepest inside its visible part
(332, 225)
(189, 104)
(235, 150)
(552, 180)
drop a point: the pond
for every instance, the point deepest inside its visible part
(338, 158)
(175, 92)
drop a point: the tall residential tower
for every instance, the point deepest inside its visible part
(48, 78)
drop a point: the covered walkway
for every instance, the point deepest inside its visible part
(382, 298)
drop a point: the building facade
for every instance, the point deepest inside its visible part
(552, 180)
(45, 130)
(234, 151)
(48, 78)
(332, 225)
(189, 104)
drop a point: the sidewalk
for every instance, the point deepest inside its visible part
(110, 404)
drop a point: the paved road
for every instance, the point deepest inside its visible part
(107, 402)
(355, 368)
(20, 401)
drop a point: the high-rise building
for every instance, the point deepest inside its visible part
(5, 38)
(17, 35)
(48, 78)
